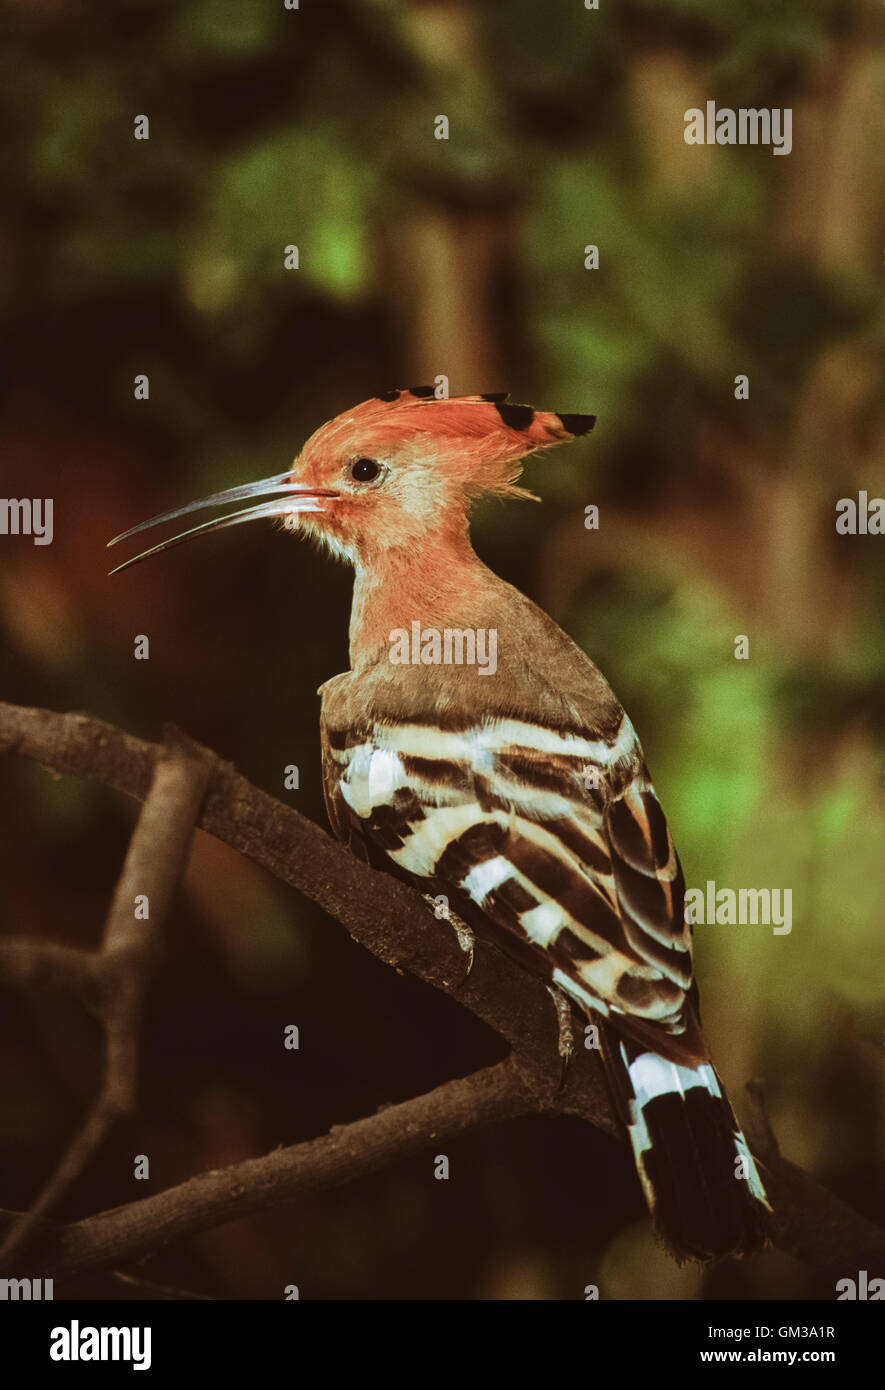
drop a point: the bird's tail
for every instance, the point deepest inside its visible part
(700, 1180)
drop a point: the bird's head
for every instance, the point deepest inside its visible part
(391, 470)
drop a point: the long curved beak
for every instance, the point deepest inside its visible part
(296, 498)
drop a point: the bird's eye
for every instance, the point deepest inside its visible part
(365, 470)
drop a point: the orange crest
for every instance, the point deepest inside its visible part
(483, 438)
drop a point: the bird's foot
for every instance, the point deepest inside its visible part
(466, 937)
(565, 1044)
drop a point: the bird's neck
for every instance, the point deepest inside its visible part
(439, 584)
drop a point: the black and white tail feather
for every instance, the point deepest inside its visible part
(700, 1180)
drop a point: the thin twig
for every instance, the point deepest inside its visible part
(115, 987)
(46, 967)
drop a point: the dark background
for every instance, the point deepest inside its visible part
(464, 257)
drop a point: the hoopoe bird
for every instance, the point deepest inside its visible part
(518, 792)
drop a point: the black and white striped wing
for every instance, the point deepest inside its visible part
(554, 841)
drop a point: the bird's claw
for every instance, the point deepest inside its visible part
(466, 937)
(466, 940)
(565, 1043)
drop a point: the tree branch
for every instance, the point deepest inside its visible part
(383, 915)
(113, 982)
(346, 1152)
(810, 1222)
